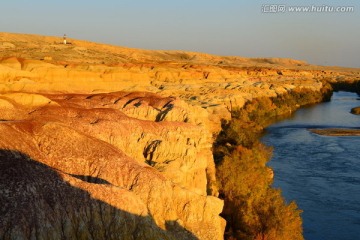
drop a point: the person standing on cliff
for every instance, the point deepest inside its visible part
(65, 39)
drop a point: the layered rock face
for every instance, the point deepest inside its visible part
(104, 142)
(99, 156)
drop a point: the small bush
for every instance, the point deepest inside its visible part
(253, 209)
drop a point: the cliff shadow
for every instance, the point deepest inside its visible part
(36, 203)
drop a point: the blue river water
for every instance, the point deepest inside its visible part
(321, 173)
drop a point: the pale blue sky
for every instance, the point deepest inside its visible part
(223, 27)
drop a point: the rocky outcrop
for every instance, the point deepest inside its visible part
(355, 110)
(39, 202)
(179, 150)
(76, 160)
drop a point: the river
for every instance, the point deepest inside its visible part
(321, 173)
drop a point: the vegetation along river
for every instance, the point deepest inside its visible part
(321, 173)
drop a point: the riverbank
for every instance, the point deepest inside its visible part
(238, 141)
(318, 171)
(252, 207)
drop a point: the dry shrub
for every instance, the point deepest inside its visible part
(253, 209)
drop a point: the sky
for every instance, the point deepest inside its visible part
(222, 27)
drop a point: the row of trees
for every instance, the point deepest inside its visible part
(253, 209)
